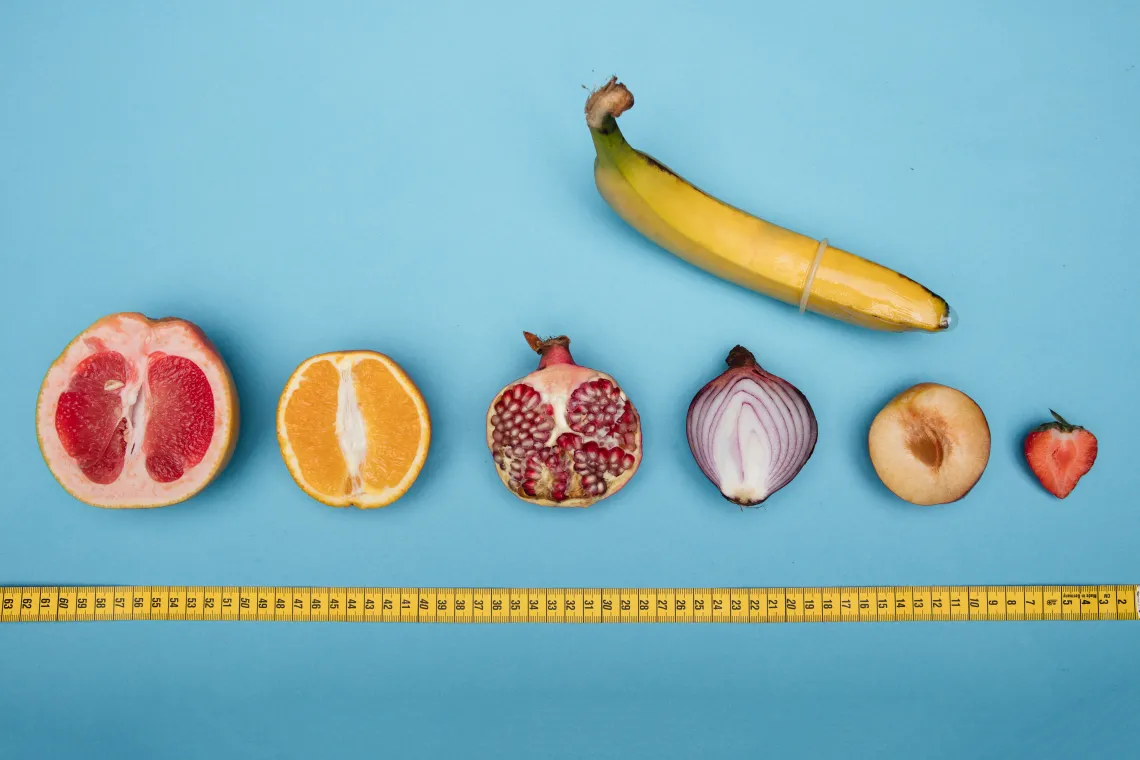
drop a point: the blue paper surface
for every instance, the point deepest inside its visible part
(416, 178)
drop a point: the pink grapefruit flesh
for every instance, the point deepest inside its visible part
(137, 413)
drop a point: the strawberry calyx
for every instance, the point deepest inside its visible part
(1060, 424)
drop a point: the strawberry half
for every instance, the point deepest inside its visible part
(1060, 454)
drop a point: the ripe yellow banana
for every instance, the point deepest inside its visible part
(742, 248)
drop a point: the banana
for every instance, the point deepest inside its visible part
(744, 249)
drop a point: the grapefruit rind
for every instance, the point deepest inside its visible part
(226, 422)
(368, 500)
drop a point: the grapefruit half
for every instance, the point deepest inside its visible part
(137, 412)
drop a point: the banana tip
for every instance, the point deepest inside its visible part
(610, 100)
(950, 321)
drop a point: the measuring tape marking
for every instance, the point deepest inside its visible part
(567, 605)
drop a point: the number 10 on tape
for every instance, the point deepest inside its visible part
(567, 605)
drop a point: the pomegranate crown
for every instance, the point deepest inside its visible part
(554, 350)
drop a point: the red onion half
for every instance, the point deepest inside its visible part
(750, 431)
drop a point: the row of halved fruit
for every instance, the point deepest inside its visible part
(142, 413)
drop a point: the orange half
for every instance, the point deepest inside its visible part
(353, 429)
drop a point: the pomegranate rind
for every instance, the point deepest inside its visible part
(364, 500)
(542, 380)
(172, 335)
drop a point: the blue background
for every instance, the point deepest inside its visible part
(416, 178)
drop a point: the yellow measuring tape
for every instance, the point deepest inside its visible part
(66, 604)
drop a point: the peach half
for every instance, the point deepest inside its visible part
(930, 444)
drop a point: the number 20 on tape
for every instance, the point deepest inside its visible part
(61, 604)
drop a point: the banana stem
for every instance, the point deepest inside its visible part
(607, 103)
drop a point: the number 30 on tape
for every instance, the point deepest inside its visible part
(63, 604)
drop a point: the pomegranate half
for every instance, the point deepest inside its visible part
(564, 435)
(137, 413)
